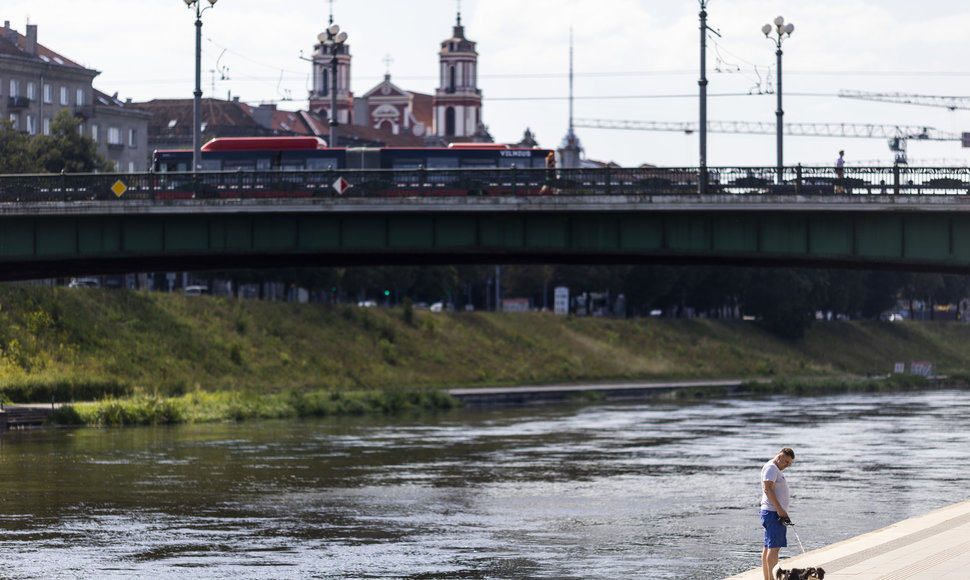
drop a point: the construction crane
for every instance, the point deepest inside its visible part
(951, 103)
(897, 135)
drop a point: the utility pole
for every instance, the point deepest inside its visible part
(702, 181)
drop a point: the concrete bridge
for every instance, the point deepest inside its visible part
(64, 225)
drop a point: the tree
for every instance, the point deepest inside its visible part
(784, 299)
(65, 149)
(15, 156)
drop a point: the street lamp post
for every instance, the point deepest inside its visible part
(197, 103)
(332, 40)
(782, 31)
(702, 83)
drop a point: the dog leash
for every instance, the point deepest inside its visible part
(786, 521)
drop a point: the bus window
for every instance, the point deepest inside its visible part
(407, 163)
(478, 163)
(211, 165)
(237, 164)
(442, 163)
(321, 163)
(172, 166)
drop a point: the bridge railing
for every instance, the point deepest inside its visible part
(798, 180)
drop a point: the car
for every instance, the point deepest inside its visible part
(196, 290)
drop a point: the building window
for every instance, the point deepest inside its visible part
(47, 125)
(133, 138)
(31, 125)
(131, 167)
(94, 134)
(15, 120)
(64, 99)
(32, 91)
(451, 79)
(14, 88)
(80, 97)
(48, 93)
(114, 136)
(450, 122)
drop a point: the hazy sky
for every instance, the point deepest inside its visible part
(634, 60)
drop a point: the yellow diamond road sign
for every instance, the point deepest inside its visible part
(119, 188)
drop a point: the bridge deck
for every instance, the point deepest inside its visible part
(935, 545)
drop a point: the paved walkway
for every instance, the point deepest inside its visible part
(935, 545)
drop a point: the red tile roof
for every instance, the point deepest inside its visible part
(12, 43)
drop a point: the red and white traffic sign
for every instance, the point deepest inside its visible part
(341, 185)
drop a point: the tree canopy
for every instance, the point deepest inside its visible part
(64, 149)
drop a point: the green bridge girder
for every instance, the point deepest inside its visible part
(920, 234)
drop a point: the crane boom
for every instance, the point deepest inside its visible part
(855, 130)
(951, 103)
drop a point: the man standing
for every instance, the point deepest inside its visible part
(840, 172)
(774, 506)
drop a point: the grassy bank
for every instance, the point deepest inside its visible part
(183, 355)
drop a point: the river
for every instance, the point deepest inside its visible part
(653, 490)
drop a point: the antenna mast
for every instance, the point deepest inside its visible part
(570, 80)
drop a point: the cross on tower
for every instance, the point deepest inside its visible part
(331, 11)
(387, 60)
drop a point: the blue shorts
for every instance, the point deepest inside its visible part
(775, 533)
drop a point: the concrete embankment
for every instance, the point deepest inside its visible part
(543, 394)
(935, 545)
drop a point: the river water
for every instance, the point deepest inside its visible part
(658, 490)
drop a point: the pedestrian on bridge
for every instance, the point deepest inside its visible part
(549, 188)
(774, 508)
(839, 172)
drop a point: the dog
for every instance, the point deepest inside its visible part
(798, 573)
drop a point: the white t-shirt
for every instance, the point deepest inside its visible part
(770, 472)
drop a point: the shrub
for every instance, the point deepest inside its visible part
(43, 390)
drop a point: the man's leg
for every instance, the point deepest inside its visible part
(769, 559)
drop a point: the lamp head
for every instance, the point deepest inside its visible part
(341, 38)
(766, 29)
(788, 28)
(189, 3)
(333, 30)
(212, 2)
(779, 21)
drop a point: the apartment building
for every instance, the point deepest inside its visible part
(36, 83)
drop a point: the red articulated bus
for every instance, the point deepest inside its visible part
(379, 170)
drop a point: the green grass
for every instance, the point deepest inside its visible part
(206, 407)
(156, 358)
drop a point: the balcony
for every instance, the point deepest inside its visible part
(18, 102)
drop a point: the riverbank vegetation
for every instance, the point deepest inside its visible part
(160, 358)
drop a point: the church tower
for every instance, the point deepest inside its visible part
(457, 104)
(324, 81)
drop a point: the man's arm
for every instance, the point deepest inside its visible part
(770, 493)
